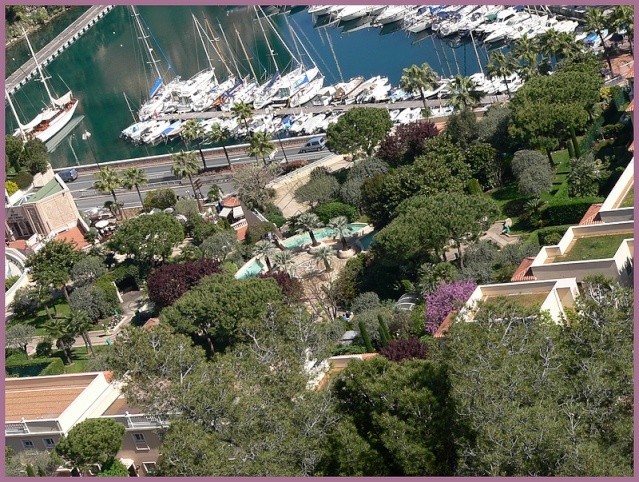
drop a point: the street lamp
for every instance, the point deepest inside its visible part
(279, 138)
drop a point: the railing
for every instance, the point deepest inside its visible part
(15, 427)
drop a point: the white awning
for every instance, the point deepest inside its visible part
(238, 212)
(225, 212)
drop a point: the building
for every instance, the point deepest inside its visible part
(43, 211)
(39, 410)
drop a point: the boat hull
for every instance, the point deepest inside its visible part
(58, 123)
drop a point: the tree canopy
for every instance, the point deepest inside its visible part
(359, 129)
(93, 441)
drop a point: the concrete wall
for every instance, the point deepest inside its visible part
(140, 453)
(610, 212)
(83, 406)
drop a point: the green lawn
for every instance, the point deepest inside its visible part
(528, 299)
(80, 359)
(38, 318)
(629, 199)
(593, 247)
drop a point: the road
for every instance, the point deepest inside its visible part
(160, 176)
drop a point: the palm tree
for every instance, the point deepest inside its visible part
(243, 112)
(80, 322)
(191, 131)
(418, 79)
(339, 225)
(324, 254)
(108, 181)
(526, 54)
(596, 21)
(462, 93)
(45, 297)
(623, 17)
(59, 329)
(220, 135)
(501, 65)
(185, 166)
(283, 260)
(306, 222)
(260, 145)
(264, 249)
(134, 178)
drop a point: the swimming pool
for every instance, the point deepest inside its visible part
(321, 233)
(367, 240)
(252, 268)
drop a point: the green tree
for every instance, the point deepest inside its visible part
(283, 260)
(324, 254)
(60, 330)
(623, 18)
(87, 269)
(264, 249)
(318, 190)
(359, 129)
(51, 265)
(463, 93)
(80, 322)
(108, 181)
(35, 157)
(597, 21)
(93, 441)
(339, 225)
(191, 131)
(13, 148)
(484, 164)
(532, 171)
(219, 245)
(306, 223)
(260, 146)
(501, 65)
(159, 199)
(462, 127)
(134, 178)
(525, 58)
(220, 135)
(243, 112)
(585, 176)
(418, 79)
(185, 165)
(148, 237)
(251, 183)
(351, 190)
(18, 336)
(113, 468)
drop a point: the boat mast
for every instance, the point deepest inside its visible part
(282, 40)
(245, 54)
(239, 74)
(271, 51)
(199, 29)
(212, 42)
(144, 38)
(129, 106)
(472, 39)
(13, 109)
(43, 79)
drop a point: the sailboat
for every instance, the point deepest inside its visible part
(52, 118)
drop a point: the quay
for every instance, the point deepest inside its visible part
(54, 48)
(317, 109)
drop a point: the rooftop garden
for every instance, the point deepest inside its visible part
(629, 199)
(593, 247)
(524, 299)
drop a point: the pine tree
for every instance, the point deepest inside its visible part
(383, 331)
(367, 339)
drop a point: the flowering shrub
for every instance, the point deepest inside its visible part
(446, 298)
(400, 350)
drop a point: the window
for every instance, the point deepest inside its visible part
(49, 443)
(149, 467)
(140, 441)
(27, 444)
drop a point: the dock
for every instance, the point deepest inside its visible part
(54, 48)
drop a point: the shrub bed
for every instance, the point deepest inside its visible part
(567, 211)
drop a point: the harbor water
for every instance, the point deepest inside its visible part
(105, 67)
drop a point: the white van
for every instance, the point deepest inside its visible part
(315, 144)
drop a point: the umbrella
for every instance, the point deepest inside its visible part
(102, 224)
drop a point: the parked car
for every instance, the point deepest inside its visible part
(68, 175)
(315, 144)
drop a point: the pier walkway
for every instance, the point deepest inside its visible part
(434, 105)
(56, 46)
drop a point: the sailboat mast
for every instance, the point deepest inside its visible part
(271, 51)
(239, 74)
(472, 39)
(43, 79)
(245, 54)
(199, 29)
(129, 106)
(144, 38)
(212, 42)
(281, 40)
(13, 109)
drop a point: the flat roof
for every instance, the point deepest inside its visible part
(50, 188)
(40, 398)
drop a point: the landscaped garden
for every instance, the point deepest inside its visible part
(629, 199)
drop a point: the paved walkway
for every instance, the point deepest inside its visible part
(494, 234)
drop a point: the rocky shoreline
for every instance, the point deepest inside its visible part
(30, 23)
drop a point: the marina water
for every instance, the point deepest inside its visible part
(107, 62)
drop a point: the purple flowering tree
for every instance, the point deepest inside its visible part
(446, 298)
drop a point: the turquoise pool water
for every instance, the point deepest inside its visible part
(368, 240)
(252, 268)
(322, 233)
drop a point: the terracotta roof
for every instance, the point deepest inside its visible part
(592, 215)
(523, 272)
(631, 106)
(74, 235)
(631, 147)
(47, 397)
(19, 244)
(150, 323)
(446, 324)
(231, 202)
(628, 70)
(241, 233)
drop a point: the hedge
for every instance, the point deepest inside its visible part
(34, 367)
(328, 211)
(567, 211)
(541, 235)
